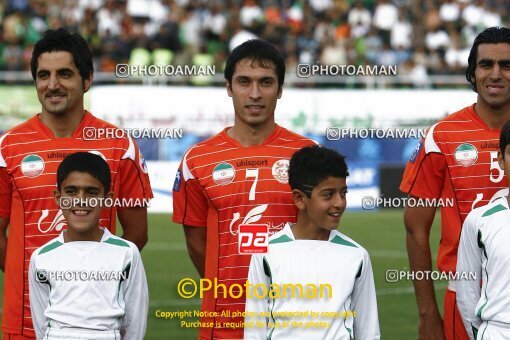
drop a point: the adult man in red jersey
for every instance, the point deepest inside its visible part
(458, 160)
(237, 178)
(29, 156)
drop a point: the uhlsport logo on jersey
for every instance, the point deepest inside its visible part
(253, 238)
(32, 166)
(223, 174)
(280, 171)
(466, 154)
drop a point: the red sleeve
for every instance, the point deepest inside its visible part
(134, 177)
(5, 193)
(424, 174)
(190, 200)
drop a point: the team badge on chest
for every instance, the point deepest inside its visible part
(280, 171)
(32, 166)
(223, 174)
(466, 154)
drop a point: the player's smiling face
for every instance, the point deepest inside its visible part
(254, 91)
(492, 74)
(80, 206)
(321, 212)
(59, 85)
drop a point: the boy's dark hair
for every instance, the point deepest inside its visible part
(491, 35)
(261, 53)
(313, 164)
(504, 138)
(61, 40)
(85, 162)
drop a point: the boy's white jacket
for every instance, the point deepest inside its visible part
(350, 312)
(88, 285)
(484, 253)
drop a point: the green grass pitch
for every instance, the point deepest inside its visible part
(381, 233)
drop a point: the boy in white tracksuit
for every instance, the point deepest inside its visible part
(87, 283)
(484, 255)
(332, 271)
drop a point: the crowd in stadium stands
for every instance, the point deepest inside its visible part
(422, 37)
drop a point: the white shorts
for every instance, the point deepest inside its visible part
(490, 330)
(80, 334)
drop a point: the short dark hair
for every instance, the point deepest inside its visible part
(312, 164)
(261, 53)
(88, 163)
(491, 35)
(61, 40)
(504, 138)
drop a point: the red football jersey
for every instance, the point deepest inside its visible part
(222, 185)
(29, 157)
(458, 159)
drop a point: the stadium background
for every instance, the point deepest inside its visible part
(428, 40)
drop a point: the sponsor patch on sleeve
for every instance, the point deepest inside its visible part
(177, 182)
(415, 152)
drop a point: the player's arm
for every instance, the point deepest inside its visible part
(136, 298)
(39, 292)
(191, 206)
(255, 307)
(134, 186)
(5, 209)
(4, 223)
(418, 222)
(469, 260)
(134, 225)
(424, 177)
(364, 303)
(196, 238)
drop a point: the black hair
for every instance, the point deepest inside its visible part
(491, 35)
(85, 162)
(312, 164)
(261, 53)
(504, 138)
(61, 40)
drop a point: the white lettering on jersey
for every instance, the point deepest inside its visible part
(254, 215)
(58, 222)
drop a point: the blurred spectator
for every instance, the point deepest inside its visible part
(190, 26)
(401, 33)
(12, 56)
(333, 53)
(307, 48)
(359, 17)
(16, 6)
(437, 39)
(387, 56)
(491, 17)
(473, 13)
(417, 73)
(215, 23)
(456, 57)
(449, 11)
(251, 15)
(108, 19)
(241, 35)
(319, 6)
(385, 16)
(168, 34)
(372, 46)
